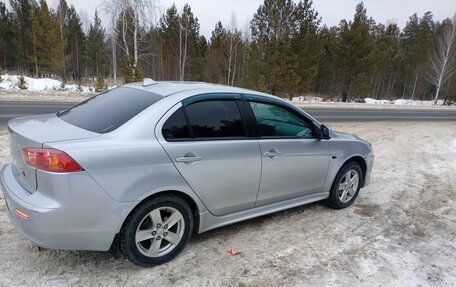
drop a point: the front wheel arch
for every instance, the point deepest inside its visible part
(333, 201)
(362, 163)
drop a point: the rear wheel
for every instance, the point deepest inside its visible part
(346, 186)
(157, 230)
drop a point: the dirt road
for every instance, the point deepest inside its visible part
(400, 232)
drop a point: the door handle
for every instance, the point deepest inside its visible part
(189, 158)
(272, 153)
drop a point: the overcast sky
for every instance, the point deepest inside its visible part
(331, 11)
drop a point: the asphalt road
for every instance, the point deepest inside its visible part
(9, 110)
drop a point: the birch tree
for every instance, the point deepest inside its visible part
(132, 16)
(232, 40)
(443, 61)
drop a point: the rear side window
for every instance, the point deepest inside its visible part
(109, 110)
(215, 119)
(176, 126)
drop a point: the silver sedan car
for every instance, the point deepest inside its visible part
(142, 167)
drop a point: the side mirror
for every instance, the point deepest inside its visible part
(324, 132)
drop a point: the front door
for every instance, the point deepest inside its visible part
(294, 160)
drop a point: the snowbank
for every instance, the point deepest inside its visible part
(39, 85)
(307, 99)
(402, 102)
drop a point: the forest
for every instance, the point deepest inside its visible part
(286, 51)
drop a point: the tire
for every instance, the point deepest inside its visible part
(157, 230)
(348, 181)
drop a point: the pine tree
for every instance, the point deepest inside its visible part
(417, 39)
(23, 29)
(62, 20)
(130, 72)
(328, 76)
(49, 47)
(182, 46)
(272, 28)
(100, 84)
(354, 54)
(387, 57)
(76, 45)
(307, 45)
(8, 45)
(214, 66)
(96, 47)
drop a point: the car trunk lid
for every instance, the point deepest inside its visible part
(34, 131)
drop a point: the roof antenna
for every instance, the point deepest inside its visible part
(148, 82)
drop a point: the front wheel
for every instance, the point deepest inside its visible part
(346, 186)
(157, 230)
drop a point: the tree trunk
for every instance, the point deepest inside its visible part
(180, 50)
(437, 94)
(234, 67)
(344, 96)
(124, 34)
(114, 61)
(414, 85)
(135, 38)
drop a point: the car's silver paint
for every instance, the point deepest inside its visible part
(66, 212)
(208, 221)
(227, 176)
(38, 129)
(298, 170)
(129, 164)
(344, 147)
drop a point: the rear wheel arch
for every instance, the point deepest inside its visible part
(158, 242)
(188, 199)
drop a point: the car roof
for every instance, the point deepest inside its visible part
(167, 88)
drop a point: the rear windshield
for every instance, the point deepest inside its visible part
(109, 110)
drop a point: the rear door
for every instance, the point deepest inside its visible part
(207, 140)
(294, 160)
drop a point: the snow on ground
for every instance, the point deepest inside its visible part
(44, 96)
(369, 101)
(400, 232)
(402, 102)
(39, 85)
(304, 99)
(314, 101)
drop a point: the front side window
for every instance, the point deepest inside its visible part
(215, 119)
(275, 121)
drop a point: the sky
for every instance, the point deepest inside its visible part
(331, 11)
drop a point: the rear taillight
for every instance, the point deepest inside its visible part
(49, 159)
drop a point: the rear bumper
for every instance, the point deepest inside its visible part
(66, 212)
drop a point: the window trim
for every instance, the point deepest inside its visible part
(237, 98)
(247, 115)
